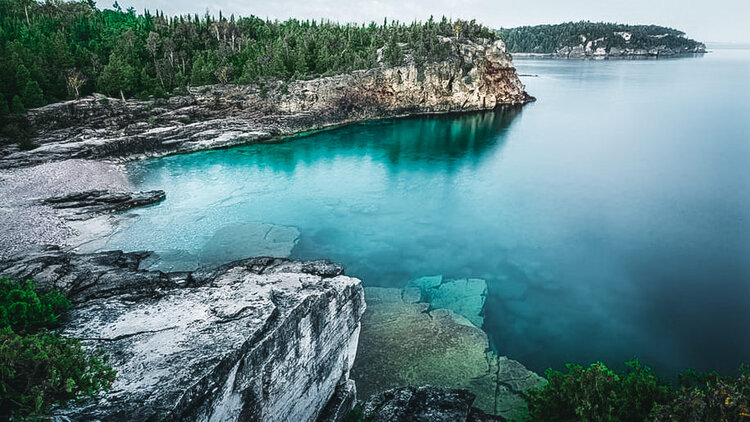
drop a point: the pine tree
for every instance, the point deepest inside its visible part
(32, 95)
(22, 78)
(17, 106)
(4, 109)
(118, 76)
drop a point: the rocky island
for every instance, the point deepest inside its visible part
(259, 338)
(581, 40)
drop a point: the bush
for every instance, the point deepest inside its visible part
(598, 394)
(37, 367)
(709, 397)
(23, 311)
(357, 415)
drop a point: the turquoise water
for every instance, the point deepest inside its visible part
(611, 219)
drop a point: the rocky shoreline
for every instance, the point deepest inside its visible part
(588, 51)
(475, 77)
(258, 338)
(79, 143)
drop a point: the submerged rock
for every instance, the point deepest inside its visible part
(424, 404)
(405, 343)
(240, 240)
(464, 296)
(257, 339)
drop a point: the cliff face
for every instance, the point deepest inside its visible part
(475, 76)
(258, 339)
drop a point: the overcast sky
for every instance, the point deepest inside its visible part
(704, 20)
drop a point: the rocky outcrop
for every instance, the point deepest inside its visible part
(258, 339)
(476, 76)
(83, 204)
(424, 404)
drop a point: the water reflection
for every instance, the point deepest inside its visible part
(444, 141)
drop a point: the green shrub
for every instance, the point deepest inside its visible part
(598, 394)
(708, 397)
(23, 311)
(357, 415)
(37, 367)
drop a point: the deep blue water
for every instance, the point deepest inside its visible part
(611, 218)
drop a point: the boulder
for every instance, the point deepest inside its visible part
(424, 404)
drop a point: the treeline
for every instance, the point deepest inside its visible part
(55, 50)
(549, 38)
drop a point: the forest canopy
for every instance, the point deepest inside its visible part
(56, 50)
(549, 38)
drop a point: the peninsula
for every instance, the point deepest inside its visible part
(580, 40)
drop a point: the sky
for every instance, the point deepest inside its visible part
(723, 21)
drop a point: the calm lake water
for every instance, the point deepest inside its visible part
(611, 219)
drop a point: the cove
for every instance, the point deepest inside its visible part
(610, 220)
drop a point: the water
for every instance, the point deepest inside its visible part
(611, 219)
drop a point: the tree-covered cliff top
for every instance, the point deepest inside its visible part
(55, 50)
(550, 38)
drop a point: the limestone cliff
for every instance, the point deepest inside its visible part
(258, 339)
(475, 76)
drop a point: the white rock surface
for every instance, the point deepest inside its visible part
(258, 339)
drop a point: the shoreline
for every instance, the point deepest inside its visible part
(526, 56)
(99, 133)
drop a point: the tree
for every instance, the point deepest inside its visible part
(74, 79)
(17, 106)
(22, 78)
(223, 74)
(4, 109)
(393, 55)
(202, 72)
(118, 76)
(32, 95)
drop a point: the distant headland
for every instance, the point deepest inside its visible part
(581, 40)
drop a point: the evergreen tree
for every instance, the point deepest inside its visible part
(17, 106)
(118, 77)
(393, 55)
(22, 78)
(203, 70)
(33, 95)
(4, 109)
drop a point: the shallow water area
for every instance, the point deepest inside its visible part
(609, 220)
